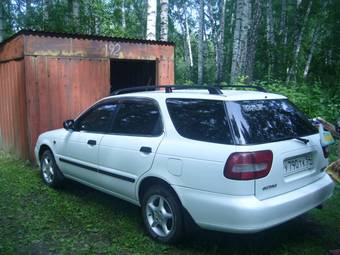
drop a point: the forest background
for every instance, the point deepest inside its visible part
(287, 46)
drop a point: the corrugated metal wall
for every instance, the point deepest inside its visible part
(13, 119)
(60, 88)
(47, 78)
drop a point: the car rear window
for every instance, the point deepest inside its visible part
(264, 121)
(202, 120)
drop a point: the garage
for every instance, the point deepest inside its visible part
(49, 77)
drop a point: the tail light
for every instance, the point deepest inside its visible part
(248, 165)
(325, 150)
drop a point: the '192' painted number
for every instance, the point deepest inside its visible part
(114, 49)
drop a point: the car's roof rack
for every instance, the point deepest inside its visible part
(167, 88)
(258, 88)
(214, 90)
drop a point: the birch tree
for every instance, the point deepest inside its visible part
(240, 39)
(311, 51)
(318, 28)
(188, 40)
(164, 20)
(1, 22)
(28, 14)
(75, 11)
(123, 15)
(220, 43)
(270, 35)
(255, 23)
(297, 45)
(200, 43)
(46, 4)
(283, 22)
(151, 20)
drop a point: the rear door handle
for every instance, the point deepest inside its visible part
(146, 150)
(92, 142)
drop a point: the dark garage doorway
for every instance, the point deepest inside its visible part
(131, 73)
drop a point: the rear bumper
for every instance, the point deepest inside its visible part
(247, 214)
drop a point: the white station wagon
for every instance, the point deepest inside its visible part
(230, 160)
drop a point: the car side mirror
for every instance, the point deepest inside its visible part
(69, 124)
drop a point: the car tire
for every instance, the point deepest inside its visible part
(49, 170)
(162, 214)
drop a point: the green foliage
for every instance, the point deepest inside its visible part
(105, 17)
(315, 100)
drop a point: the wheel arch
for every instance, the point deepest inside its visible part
(43, 147)
(149, 181)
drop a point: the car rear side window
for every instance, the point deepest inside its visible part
(138, 117)
(199, 119)
(264, 121)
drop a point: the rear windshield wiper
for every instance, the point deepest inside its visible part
(305, 141)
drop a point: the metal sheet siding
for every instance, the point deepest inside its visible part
(98, 49)
(46, 78)
(14, 49)
(60, 88)
(13, 132)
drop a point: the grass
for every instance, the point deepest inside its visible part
(35, 219)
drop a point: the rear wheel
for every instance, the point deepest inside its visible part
(162, 215)
(49, 170)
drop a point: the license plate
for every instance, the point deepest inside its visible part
(298, 164)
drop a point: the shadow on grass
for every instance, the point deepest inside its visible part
(300, 232)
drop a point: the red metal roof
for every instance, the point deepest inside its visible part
(85, 36)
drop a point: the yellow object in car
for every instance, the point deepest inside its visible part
(335, 175)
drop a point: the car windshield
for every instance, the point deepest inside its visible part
(264, 121)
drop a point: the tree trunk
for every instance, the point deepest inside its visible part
(213, 27)
(46, 4)
(164, 20)
(297, 46)
(28, 14)
(28, 7)
(270, 23)
(97, 25)
(220, 44)
(255, 23)
(183, 22)
(283, 22)
(75, 10)
(151, 20)
(311, 51)
(2, 32)
(75, 14)
(298, 2)
(200, 43)
(240, 39)
(188, 40)
(123, 15)
(270, 36)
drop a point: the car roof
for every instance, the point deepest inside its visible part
(228, 95)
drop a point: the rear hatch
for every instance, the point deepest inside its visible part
(277, 125)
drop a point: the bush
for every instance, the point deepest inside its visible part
(315, 100)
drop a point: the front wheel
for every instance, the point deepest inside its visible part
(162, 215)
(49, 170)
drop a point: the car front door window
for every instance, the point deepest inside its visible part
(98, 120)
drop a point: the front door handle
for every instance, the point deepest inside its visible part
(146, 150)
(92, 142)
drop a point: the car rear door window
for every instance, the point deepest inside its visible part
(98, 119)
(138, 117)
(264, 121)
(199, 119)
